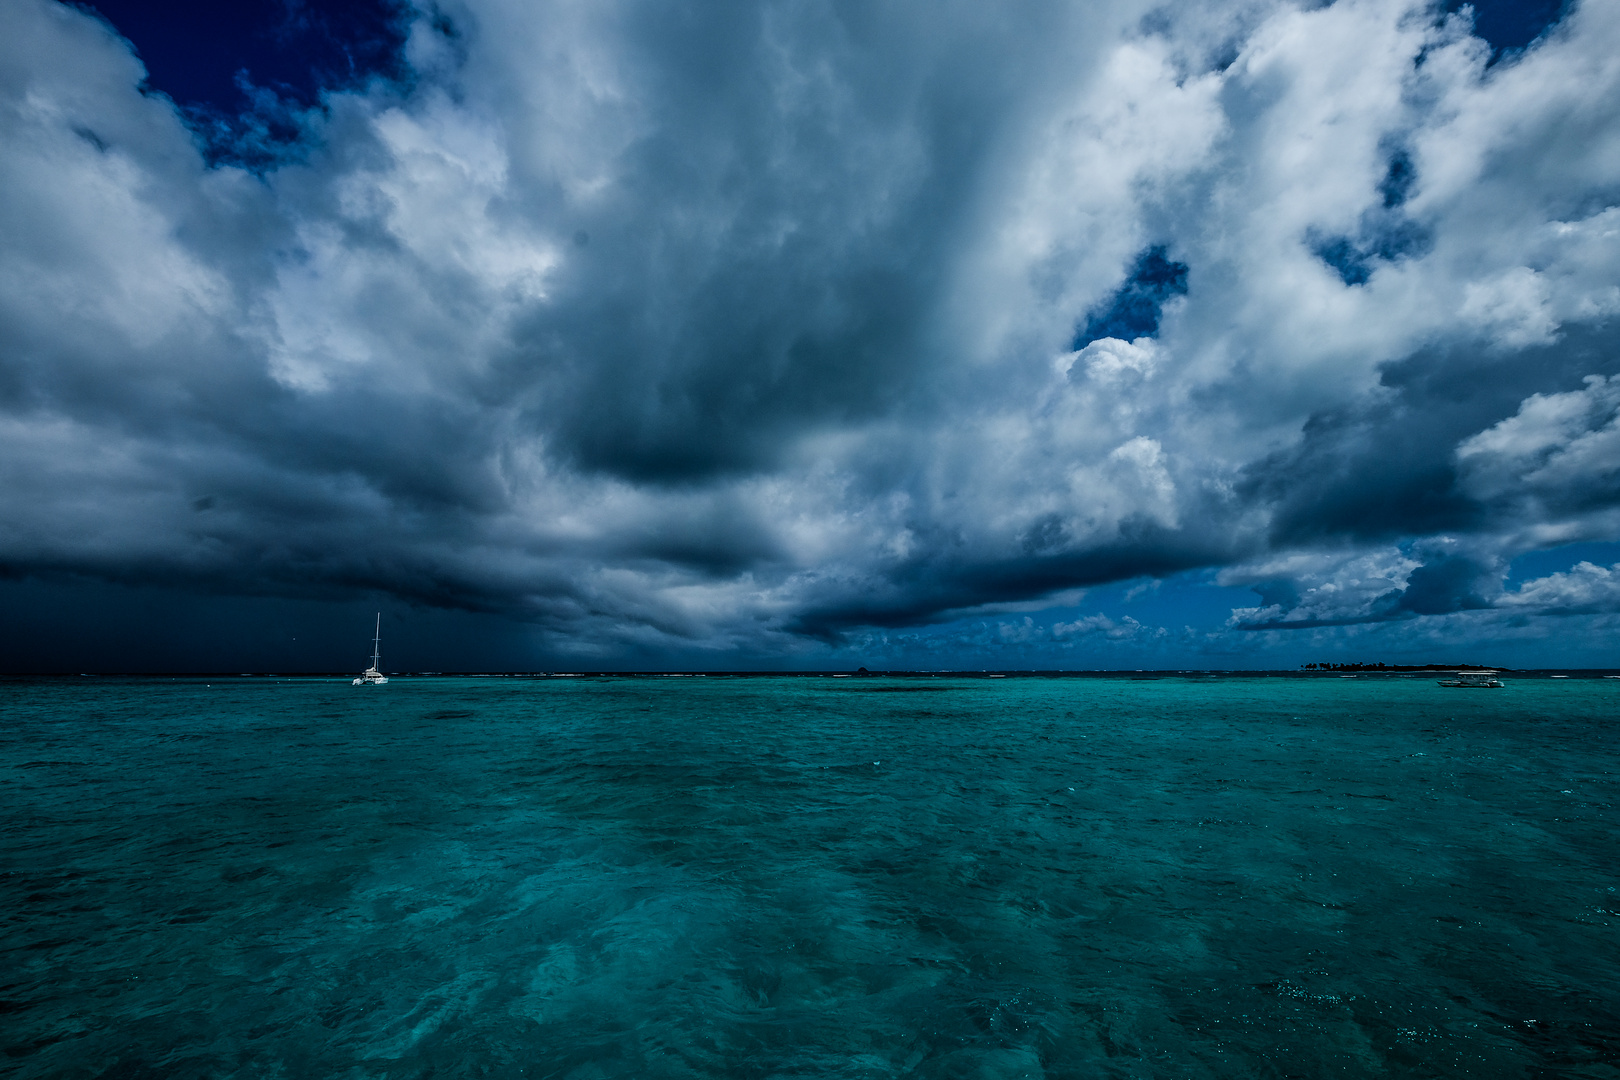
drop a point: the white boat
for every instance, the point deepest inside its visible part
(1478, 680)
(371, 676)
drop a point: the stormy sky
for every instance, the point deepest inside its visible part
(808, 333)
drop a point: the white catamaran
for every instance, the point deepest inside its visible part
(371, 676)
(1477, 680)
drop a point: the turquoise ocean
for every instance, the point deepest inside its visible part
(1186, 876)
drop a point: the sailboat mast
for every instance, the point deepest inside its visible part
(376, 642)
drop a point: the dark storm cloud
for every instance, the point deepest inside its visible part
(772, 256)
(1446, 584)
(1391, 469)
(743, 326)
(1387, 467)
(924, 590)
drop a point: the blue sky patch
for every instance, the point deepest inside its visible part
(1511, 24)
(1557, 560)
(1135, 309)
(242, 71)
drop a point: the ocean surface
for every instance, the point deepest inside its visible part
(809, 877)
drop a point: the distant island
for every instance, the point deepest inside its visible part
(1404, 667)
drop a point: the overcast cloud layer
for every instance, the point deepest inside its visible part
(753, 328)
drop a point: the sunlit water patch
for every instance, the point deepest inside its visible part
(587, 878)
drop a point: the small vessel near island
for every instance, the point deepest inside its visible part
(371, 676)
(1477, 680)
